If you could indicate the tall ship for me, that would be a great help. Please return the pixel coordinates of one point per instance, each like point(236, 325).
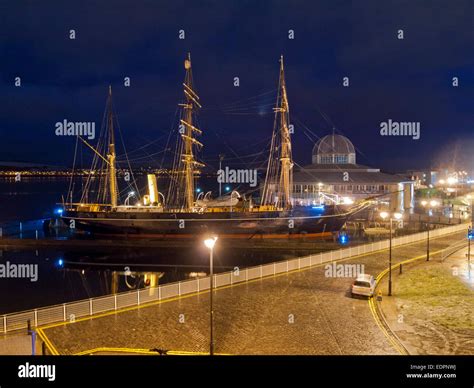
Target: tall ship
point(177, 211)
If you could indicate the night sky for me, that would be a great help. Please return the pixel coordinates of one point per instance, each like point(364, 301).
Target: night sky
point(406, 79)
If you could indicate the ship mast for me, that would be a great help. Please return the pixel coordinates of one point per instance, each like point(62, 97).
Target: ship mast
point(286, 162)
point(111, 152)
point(187, 130)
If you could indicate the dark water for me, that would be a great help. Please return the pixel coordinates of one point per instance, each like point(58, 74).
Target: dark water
point(77, 273)
point(31, 198)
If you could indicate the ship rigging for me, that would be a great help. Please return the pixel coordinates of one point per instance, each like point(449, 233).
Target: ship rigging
point(180, 212)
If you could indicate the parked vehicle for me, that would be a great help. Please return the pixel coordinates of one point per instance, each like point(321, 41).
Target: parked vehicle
point(363, 285)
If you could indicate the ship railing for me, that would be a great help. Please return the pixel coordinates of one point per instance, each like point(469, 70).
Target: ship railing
point(83, 309)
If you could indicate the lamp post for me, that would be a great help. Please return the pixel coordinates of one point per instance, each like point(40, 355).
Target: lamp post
point(397, 216)
point(433, 204)
point(130, 195)
point(428, 227)
point(469, 197)
point(210, 242)
point(469, 252)
point(424, 203)
point(470, 236)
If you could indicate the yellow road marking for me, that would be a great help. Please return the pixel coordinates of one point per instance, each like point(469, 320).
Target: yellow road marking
point(48, 343)
point(146, 351)
point(394, 344)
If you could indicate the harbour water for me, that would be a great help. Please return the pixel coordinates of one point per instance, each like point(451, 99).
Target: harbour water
point(78, 272)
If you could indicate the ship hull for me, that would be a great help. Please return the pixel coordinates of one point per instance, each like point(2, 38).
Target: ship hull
point(299, 222)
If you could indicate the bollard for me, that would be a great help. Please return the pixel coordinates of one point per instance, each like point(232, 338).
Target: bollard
point(379, 296)
point(36, 235)
point(33, 343)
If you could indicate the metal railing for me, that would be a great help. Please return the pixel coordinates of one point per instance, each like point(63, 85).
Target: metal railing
point(434, 219)
point(89, 307)
point(453, 249)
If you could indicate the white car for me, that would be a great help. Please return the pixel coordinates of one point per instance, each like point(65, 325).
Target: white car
point(364, 285)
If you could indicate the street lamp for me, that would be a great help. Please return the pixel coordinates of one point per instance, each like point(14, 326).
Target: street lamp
point(130, 195)
point(347, 201)
point(397, 216)
point(209, 243)
point(433, 204)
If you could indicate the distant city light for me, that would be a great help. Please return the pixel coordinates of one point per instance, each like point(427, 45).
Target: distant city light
point(197, 274)
point(60, 262)
point(452, 180)
point(227, 188)
point(433, 203)
point(198, 190)
point(59, 211)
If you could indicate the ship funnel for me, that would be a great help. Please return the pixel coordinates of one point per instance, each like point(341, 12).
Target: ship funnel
point(153, 190)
